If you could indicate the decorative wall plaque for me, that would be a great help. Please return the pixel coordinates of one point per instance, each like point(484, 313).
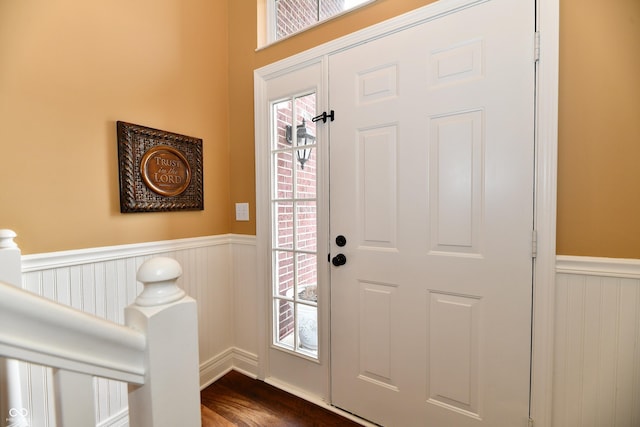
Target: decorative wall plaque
point(159, 170)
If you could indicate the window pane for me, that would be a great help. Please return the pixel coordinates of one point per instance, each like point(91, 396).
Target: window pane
point(282, 118)
point(306, 177)
point(305, 111)
point(284, 273)
point(283, 236)
point(305, 107)
point(306, 224)
point(329, 8)
point(295, 15)
point(284, 174)
point(307, 274)
point(307, 327)
point(285, 322)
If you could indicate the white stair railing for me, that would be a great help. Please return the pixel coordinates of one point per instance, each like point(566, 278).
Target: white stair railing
point(156, 353)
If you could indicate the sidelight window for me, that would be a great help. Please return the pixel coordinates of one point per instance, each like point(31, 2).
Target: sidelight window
point(294, 225)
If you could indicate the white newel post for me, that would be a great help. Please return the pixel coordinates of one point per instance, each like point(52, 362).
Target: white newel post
point(11, 403)
point(168, 317)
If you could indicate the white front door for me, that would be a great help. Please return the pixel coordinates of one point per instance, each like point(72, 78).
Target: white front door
point(431, 185)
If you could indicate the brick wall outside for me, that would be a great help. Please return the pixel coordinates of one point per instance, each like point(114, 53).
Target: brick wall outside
point(295, 15)
point(329, 8)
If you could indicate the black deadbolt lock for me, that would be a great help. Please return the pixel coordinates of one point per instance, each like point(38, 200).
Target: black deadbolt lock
point(341, 240)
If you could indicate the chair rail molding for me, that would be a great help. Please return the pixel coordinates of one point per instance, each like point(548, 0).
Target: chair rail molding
point(596, 266)
point(42, 261)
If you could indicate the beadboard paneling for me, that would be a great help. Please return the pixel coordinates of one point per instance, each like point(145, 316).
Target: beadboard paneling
point(597, 343)
point(245, 296)
point(102, 282)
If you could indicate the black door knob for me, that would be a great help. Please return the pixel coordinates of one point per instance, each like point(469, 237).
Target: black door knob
point(341, 240)
point(339, 260)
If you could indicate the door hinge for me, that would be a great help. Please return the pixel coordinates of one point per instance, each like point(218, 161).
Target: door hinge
point(534, 243)
point(530, 423)
point(536, 47)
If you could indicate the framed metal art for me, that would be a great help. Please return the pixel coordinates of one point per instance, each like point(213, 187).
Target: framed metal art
point(159, 170)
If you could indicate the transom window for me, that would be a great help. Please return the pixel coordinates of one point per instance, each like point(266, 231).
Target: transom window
point(291, 16)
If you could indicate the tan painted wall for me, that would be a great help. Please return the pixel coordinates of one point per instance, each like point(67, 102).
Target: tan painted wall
point(68, 70)
point(244, 59)
point(599, 146)
point(599, 129)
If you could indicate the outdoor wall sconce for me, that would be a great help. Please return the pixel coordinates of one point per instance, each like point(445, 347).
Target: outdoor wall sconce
point(304, 139)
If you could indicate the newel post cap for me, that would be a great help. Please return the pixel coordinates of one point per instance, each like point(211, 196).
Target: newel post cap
point(160, 278)
point(6, 239)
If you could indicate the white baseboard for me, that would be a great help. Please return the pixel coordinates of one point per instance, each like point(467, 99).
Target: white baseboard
point(215, 367)
point(232, 358)
point(245, 362)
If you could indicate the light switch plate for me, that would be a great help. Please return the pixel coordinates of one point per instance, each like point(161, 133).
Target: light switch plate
point(242, 211)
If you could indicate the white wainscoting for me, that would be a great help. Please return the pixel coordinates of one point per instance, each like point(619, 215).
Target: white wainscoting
point(597, 322)
point(597, 343)
point(218, 271)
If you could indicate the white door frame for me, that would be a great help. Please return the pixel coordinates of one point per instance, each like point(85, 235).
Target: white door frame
point(546, 129)
point(544, 283)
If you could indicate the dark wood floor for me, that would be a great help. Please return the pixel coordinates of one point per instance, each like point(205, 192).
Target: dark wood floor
point(237, 400)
